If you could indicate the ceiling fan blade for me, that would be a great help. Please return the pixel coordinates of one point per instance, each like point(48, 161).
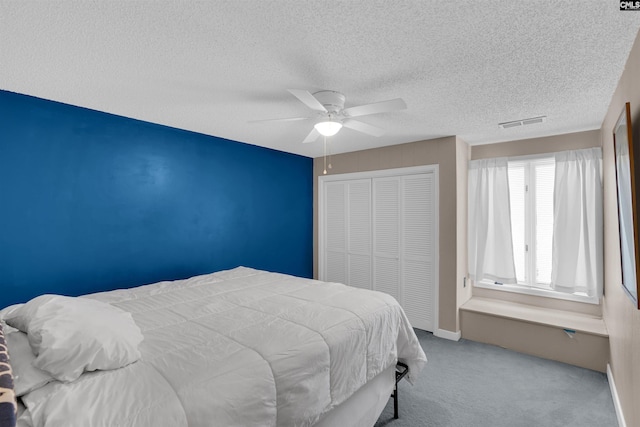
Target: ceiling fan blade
point(288, 119)
point(313, 135)
point(376, 107)
point(363, 127)
point(308, 99)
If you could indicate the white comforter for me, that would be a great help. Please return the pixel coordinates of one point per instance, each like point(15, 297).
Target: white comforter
point(241, 347)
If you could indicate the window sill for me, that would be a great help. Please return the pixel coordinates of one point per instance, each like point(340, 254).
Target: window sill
point(538, 292)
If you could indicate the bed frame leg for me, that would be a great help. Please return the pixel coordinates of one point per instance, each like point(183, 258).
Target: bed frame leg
point(395, 403)
point(401, 371)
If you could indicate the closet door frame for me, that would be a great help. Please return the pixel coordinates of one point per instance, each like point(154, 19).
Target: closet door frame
point(381, 174)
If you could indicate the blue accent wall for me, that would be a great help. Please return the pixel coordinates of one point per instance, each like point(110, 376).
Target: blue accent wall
point(91, 201)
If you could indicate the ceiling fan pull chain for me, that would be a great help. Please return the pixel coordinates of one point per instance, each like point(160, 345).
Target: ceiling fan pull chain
point(325, 155)
point(329, 153)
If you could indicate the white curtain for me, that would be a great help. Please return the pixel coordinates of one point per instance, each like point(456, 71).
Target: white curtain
point(577, 229)
point(489, 233)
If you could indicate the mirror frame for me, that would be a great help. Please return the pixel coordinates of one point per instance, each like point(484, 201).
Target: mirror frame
point(622, 127)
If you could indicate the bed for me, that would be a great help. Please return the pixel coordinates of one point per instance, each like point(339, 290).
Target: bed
point(240, 347)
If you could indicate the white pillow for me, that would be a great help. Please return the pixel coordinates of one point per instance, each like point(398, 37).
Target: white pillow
point(26, 377)
point(8, 310)
point(19, 317)
point(72, 335)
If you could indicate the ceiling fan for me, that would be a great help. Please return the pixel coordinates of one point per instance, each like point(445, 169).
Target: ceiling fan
point(331, 115)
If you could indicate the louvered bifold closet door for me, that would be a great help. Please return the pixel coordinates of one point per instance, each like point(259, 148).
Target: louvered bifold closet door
point(335, 237)
point(417, 249)
point(381, 233)
point(386, 236)
point(359, 233)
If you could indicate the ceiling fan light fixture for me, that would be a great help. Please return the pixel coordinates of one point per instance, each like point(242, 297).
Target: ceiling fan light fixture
point(328, 128)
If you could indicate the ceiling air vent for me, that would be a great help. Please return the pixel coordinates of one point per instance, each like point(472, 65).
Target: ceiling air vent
point(516, 123)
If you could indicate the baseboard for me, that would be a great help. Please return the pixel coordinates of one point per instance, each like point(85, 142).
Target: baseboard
point(616, 399)
point(442, 333)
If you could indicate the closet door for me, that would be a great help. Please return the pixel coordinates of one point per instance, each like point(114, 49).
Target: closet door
point(386, 236)
point(335, 235)
point(418, 249)
point(347, 252)
point(359, 233)
point(404, 244)
point(380, 233)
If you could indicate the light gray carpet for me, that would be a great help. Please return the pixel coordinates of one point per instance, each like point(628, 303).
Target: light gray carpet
point(472, 384)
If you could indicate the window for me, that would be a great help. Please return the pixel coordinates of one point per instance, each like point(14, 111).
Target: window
point(531, 198)
point(555, 229)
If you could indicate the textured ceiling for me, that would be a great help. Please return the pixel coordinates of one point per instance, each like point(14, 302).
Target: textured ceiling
point(461, 66)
